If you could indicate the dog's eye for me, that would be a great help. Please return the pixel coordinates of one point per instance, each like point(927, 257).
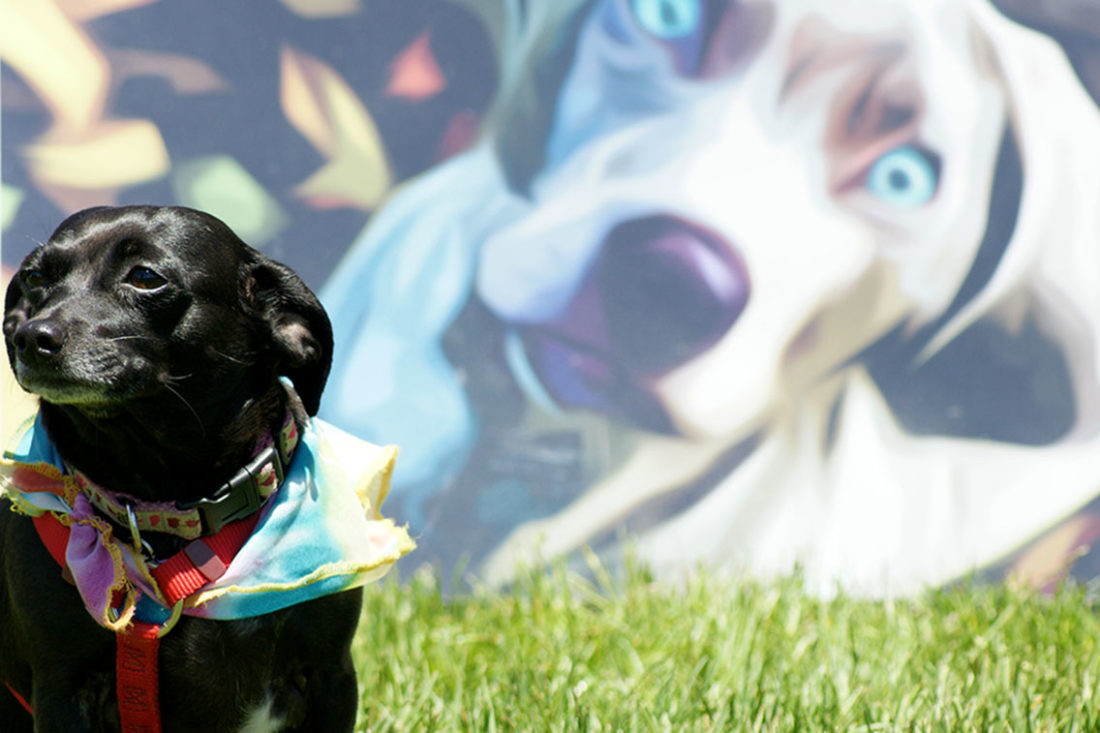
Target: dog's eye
point(669, 19)
point(678, 24)
point(143, 278)
point(906, 177)
point(35, 279)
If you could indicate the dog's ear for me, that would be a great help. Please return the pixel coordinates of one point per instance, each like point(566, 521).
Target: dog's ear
point(12, 295)
point(11, 299)
point(301, 333)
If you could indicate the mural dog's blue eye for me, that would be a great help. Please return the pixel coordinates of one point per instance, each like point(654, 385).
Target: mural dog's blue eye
point(668, 20)
point(680, 26)
point(905, 177)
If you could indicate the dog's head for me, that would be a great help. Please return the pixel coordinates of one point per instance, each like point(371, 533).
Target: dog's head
point(153, 310)
point(732, 200)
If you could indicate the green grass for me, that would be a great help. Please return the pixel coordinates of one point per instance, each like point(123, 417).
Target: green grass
point(561, 653)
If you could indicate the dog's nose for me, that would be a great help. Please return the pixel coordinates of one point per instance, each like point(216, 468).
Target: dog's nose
point(42, 337)
point(670, 290)
point(660, 293)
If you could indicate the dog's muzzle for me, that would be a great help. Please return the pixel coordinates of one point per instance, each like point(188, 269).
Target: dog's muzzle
point(661, 292)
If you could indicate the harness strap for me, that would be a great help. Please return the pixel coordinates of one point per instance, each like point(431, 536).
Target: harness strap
point(227, 520)
point(20, 699)
point(54, 535)
point(137, 676)
point(137, 648)
point(202, 560)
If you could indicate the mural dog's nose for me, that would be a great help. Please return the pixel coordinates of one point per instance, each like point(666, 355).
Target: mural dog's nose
point(669, 290)
point(660, 293)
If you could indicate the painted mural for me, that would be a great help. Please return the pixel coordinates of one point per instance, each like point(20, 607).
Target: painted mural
point(757, 285)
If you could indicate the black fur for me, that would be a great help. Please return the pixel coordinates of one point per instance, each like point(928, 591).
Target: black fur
point(156, 339)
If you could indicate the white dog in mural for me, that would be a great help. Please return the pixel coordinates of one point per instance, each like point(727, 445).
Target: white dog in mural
point(730, 231)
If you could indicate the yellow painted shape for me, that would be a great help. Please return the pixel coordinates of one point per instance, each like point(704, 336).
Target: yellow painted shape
point(57, 59)
point(321, 105)
point(323, 8)
point(117, 153)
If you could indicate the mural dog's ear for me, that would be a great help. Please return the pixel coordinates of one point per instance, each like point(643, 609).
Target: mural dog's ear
point(300, 328)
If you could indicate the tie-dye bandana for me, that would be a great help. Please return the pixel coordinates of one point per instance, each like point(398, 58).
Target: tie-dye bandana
point(320, 533)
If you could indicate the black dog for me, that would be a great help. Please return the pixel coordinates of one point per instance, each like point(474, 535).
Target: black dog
point(156, 340)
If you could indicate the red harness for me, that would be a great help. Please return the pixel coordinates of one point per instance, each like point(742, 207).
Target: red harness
point(230, 519)
point(137, 647)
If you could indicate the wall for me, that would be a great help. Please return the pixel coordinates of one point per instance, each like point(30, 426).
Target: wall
point(756, 285)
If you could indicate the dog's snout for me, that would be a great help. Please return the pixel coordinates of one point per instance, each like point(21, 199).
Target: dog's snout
point(41, 337)
point(670, 290)
point(661, 292)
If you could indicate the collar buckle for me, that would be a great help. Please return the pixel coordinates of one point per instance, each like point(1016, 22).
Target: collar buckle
point(237, 498)
point(141, 547)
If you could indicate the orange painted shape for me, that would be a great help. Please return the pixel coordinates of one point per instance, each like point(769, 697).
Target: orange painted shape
point(415, 74)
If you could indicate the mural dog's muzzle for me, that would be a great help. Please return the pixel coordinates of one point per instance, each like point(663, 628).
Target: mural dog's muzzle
point(661, 292)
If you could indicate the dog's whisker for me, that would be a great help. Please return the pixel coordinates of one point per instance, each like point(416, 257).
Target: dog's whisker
point(233, 359)
point(183, 399)
point(127, 338)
